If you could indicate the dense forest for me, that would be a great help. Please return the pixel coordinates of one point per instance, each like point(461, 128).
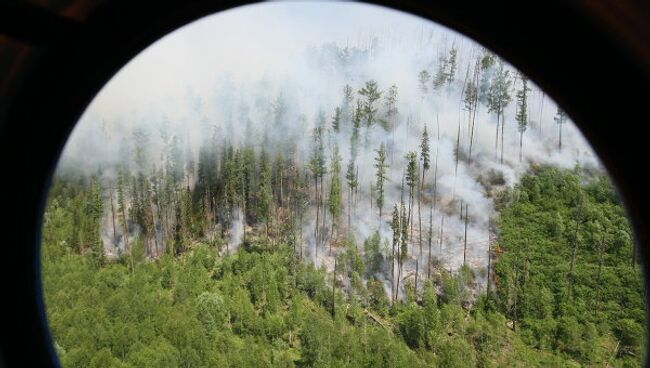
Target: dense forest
point(351, 213)
point(566, 293)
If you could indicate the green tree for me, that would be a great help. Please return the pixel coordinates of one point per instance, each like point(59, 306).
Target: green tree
point(560, 118)
point(381, 176)
point(498, 97)
point(334, 200)
point(426, 164)
point(451, 73)
point(522, 112)
point(318, 170)
point(352, 182)
point(390, 105)
point(336, 119)
point(265, 192)
point(412, 181)
point(371, 94)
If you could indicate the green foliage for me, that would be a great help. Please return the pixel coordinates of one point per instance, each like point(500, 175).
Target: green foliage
point(567, 290)
point(334, 201)
point(565, 276)
point(371, 93)
point(498, 96)
point(374, 258)
point(522, 105)
point(381, 166)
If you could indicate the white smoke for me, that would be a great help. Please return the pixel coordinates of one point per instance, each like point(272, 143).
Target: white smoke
point(217, 80)
point(236, 230)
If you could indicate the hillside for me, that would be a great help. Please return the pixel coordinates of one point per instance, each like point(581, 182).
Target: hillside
point(261, 306)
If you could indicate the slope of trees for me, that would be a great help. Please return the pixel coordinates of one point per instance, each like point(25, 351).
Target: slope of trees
point(568, 292)
point(567, 276)
point(248, 234)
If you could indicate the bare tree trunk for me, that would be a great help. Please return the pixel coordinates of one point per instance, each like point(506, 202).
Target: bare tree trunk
point(392, 275)
point(331, 240)
point(496, 142)
point(421, 189)
point(321, 232)
point(281, 191)
point(420, 217)
point(442, 232)
point(489, 267)
point(399, 275)
point(521, 143)
point(430, 240)
point(465, 242)
point(356, 190)
point(415, 291)
point(541, 112)
point(113, 221)
point(473, 113)
point(460, 217)
point(155, 233)
point(457, 149)
point(349, 209)
point(560, 141)
point(471, 134)
point(410, 216)
point(503, 123)
point(125, 225)
point(400, 265)
point(317, 214)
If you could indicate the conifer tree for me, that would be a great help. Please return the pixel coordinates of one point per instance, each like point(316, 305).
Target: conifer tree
point(487, 61)
point(371, 93)
point(279, 176)
point(412, 180)
point(403, 243)
point(347, 108)
point(397, 233)
point(498, 97)
point(336, 119)
point(381, 176)
point(423, 82)
point(451, 73)
point(265, 191)
point(353, 183)
point(334, 199)
point(390, 105)
point(122, 179)
point(522, 112)
point(441, 73)
point(175, 162)
point(426, 164)
point(94, 214)
point(471, 105)
point(317, 167)
point(356, 126)
point(560, 118)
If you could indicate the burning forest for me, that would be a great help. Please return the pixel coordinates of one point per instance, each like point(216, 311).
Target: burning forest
point(382, 172)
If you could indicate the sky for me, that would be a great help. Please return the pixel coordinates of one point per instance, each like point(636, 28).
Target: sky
point(247, 42)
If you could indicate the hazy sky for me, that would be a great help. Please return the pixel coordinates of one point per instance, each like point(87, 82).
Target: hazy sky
point(249, 42)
